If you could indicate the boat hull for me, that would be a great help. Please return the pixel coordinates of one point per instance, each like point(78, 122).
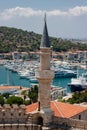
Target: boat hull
point(77, 87)
point(57, 75)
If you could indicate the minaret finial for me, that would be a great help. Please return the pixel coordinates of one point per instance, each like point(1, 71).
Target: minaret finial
point(45, 17)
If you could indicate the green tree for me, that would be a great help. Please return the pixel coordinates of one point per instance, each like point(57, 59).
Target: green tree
point(6, 95)
point(14, 100)
point(78, 97)
point(27, 102)
point(33, 93)
point(2, 100)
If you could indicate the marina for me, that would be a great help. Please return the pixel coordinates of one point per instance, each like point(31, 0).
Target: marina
point(14, 73)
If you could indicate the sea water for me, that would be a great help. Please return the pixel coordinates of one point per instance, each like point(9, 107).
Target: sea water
point(8, 77)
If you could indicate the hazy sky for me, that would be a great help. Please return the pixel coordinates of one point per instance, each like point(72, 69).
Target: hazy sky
point(65, 18)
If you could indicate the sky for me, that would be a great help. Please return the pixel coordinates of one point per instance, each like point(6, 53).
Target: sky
point(65, 18)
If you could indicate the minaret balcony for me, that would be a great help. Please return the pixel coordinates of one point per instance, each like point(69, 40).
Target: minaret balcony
point(44, 74)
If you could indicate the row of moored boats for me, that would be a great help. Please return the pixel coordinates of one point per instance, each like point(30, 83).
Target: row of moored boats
point(27, 70)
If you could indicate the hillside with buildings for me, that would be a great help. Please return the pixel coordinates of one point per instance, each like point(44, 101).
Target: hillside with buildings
point(12, 39)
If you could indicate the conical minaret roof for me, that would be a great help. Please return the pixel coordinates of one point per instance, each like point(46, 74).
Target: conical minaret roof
point(45, 38)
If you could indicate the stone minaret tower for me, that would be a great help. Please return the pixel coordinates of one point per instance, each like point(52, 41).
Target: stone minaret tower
point(45, 75)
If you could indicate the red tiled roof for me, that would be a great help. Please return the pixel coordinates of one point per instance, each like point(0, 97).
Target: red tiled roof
point(32, 107)
point(8, 87)
point(13, 87)
point(60, 109)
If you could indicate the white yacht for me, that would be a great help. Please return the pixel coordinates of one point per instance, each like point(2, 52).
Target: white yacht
point(79, 83)
point(33, 79)
point(64, 73)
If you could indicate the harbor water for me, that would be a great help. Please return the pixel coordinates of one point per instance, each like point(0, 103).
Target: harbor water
point(8, 77)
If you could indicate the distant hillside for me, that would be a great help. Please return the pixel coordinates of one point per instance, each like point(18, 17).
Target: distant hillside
point(12, 39)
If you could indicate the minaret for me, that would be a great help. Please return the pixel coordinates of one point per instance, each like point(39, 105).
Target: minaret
point(45, 75)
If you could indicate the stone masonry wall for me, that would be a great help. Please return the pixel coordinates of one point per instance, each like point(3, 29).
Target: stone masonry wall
point(12, 114)
point(15, 118)
point(69, 124)
point(19, 127)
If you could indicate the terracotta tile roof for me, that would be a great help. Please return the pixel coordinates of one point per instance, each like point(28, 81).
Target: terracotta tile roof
point(9, 87)
point(31, 108)
point(60, 109)
point(66, 110)
point(13, 87)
